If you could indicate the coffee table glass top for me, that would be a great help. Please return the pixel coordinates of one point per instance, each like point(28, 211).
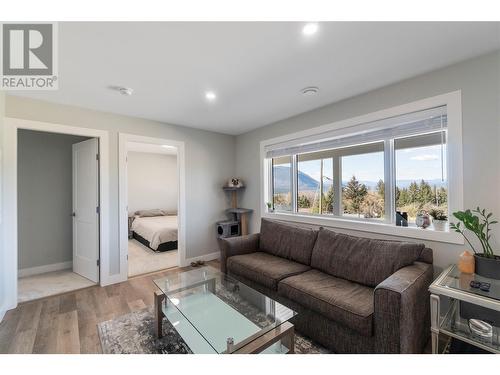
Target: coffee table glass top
point(461, 281)
point(214, 313)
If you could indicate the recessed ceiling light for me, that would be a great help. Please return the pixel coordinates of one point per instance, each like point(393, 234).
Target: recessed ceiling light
point(210, 95)
point(310, 28)
point(310, 91)
point(167, 146)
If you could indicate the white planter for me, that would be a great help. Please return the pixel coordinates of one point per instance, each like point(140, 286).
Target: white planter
point(439, 225)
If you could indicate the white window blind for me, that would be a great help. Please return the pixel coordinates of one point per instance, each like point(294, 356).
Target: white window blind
point(420, 122)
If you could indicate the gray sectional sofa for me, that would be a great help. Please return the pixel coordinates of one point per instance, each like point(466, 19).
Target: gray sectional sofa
point(353, 294)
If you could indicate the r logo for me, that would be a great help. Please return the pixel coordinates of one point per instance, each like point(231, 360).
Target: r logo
point(27, 49)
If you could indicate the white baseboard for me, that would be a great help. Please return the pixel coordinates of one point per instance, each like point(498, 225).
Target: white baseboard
point(205, 257)
point(46, 268)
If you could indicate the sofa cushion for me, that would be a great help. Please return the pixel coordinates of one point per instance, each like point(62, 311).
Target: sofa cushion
point(263, 268)
point(342, 301)
point(363, 260)
point(287, 241)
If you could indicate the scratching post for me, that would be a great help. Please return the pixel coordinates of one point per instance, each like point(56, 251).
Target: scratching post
point(239, 214)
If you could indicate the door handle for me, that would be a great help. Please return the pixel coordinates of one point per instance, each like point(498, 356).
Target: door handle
point(73, 214)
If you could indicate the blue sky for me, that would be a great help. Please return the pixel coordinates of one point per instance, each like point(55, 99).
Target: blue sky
point(411, 164)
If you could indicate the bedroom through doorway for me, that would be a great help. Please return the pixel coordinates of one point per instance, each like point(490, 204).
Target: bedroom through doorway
point(152, 207)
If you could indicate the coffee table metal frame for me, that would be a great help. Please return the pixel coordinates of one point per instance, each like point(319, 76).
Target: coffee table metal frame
point(284, 332)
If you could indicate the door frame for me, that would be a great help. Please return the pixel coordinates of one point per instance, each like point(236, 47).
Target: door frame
point(9, 198)
point(123, 139)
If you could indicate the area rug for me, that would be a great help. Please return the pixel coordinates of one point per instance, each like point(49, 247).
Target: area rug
point(133, 333)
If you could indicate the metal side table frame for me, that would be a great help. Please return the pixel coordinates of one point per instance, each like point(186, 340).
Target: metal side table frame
point(440, 288)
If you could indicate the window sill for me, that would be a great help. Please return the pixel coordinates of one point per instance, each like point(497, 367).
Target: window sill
point(370, 227)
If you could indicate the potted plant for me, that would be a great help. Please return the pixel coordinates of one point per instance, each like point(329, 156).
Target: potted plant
point(439, 219)
point(269, 207)
point(479, 223)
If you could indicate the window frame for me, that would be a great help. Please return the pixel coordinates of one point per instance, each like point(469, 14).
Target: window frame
point(454, 165)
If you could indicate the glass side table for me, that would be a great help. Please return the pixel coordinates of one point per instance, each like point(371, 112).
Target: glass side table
point(456, 286)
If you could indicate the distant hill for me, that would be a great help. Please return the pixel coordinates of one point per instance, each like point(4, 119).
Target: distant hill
point(307, 183)
point(282, 180)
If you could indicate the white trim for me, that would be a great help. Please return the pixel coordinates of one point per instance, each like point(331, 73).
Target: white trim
point(23, 272)
point(206, 257)
point(123, 139)
point(369, 227)
point(10, 248)
point(453, 103)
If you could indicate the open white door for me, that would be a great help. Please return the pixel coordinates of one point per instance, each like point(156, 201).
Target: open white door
point(86, 209)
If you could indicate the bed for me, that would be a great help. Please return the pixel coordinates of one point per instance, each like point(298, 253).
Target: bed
point(159, 233)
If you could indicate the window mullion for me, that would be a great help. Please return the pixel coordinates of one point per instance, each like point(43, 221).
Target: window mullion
point(269, 168)
point(389, 182)
point(321, 188)
point(337, 185)
point(295, 177)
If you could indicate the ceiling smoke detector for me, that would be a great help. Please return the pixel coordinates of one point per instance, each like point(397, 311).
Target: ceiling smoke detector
point(310, 91)
point(126, 91)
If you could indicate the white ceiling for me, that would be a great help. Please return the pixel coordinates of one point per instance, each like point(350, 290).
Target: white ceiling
point(256, 69)
point(151, 148)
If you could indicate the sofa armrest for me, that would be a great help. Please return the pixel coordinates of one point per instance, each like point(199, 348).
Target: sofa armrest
point(401, 310)
point(237, 246)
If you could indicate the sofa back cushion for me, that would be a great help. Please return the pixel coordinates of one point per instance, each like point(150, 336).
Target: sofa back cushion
point(287, 241)
point(362, 260)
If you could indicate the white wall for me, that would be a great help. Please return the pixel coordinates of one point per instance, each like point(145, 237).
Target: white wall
point(479, 80)
point(152, 181)
point(209, 162)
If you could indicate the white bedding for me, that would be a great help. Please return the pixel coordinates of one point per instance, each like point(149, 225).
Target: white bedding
point(156, 230)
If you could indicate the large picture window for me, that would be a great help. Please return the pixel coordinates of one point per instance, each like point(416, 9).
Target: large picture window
point(282, 183)
point(421, 182)
point(379, 172)
point(363, 182)
point(315, 184)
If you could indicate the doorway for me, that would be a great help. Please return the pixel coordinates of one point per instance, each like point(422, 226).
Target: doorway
point(10, 248)
point(58, 213)
point(152, 199)
point(152, 205)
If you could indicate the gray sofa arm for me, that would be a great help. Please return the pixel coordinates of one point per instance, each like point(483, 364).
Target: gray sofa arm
point(402, 316)
point(237, 246)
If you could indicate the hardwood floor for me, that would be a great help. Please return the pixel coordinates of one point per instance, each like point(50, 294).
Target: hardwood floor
point(67, 323)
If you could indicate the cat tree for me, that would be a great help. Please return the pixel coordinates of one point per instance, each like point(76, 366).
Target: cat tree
point(239, 214)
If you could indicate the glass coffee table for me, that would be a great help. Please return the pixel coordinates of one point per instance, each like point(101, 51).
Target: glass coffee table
point(454, 301)
point(214, 313)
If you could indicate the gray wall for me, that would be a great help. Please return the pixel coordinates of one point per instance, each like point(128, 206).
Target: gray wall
point(44, 179)
point(152, 181)
point(209, 162)
point(479, 80)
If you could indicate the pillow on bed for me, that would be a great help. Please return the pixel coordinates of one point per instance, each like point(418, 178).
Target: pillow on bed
point(169, 213)
point(150, 213)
